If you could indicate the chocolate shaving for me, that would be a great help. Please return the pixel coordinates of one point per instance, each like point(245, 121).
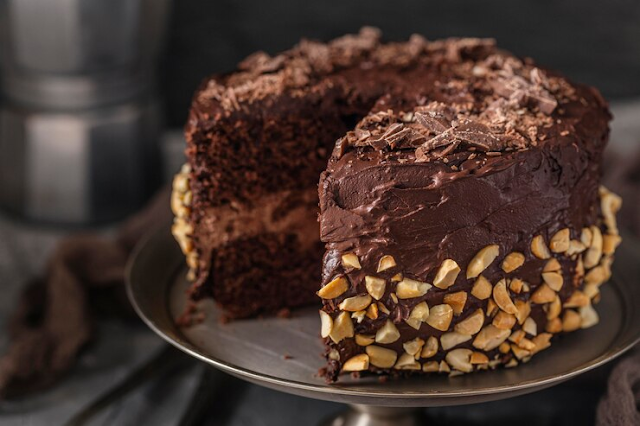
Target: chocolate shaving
point(546, 103)
point(478, 135)
point(393, 135)
point(431, 121)
point(318, 55)
point(539, 78)
point(515, 87)
point(399, 134)
point(263, 63)
point(439, 129)
point(469, 48)
point(413, 140)
point(470, 132)
point(442, 139)
point(350, 47)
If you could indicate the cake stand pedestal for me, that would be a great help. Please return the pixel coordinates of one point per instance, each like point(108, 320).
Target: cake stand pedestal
point(284, 353)
point(371, 415)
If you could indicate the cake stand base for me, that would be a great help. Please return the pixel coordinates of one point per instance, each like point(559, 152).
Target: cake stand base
point(284, 353)
point(368, 415)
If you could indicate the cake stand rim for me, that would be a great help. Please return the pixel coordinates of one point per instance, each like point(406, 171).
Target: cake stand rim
point(334, 392)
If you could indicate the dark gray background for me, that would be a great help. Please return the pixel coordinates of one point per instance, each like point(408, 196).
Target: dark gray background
point(593, 41)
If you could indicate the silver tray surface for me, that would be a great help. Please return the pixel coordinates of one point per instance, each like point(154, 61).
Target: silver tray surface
point(284, 353)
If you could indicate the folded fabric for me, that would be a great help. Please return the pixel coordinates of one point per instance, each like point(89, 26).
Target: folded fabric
point(54, 318)
point(621, 404)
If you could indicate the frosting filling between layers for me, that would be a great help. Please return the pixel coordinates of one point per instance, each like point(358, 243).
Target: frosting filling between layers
point(287, 212)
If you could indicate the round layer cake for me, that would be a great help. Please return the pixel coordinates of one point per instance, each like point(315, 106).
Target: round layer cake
point(461, 211)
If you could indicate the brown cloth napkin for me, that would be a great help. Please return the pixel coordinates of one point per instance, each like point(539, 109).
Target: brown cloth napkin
point(621, 405)
point(54, 318)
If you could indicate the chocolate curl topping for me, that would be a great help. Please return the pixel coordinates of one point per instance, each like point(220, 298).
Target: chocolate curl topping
point(525, 92)
point(437, 129)
point(432, 121)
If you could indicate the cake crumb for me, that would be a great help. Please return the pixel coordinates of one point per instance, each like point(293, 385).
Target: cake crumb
point(190, 316)
point(284, 313)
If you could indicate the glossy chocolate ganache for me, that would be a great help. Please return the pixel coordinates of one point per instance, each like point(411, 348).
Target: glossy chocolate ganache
point(463, 235)
point(460, 208)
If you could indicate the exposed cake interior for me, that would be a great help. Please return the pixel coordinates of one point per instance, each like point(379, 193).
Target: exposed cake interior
point(263, 135)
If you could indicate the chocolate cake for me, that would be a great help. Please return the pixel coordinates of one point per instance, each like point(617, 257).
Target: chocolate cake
point(461, 211)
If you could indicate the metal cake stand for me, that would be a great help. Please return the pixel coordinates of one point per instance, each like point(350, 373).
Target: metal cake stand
point(284, 354)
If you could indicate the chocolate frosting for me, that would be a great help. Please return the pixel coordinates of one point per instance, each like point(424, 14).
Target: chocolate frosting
point(417, 199)
point(508, 152)
point(515, 171)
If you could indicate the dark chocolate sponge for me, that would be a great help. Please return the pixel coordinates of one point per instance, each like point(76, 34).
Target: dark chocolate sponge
point(258, 140)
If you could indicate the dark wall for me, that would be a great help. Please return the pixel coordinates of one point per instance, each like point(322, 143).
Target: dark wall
point(593, 41)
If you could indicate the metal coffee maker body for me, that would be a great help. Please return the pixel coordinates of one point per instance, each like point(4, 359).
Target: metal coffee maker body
point(79, 116)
